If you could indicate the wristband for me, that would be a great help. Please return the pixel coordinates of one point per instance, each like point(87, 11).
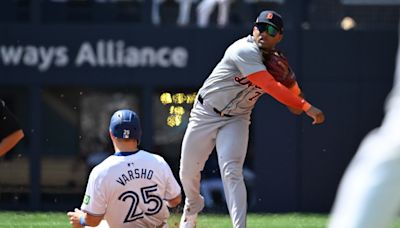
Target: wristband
point(82, 221)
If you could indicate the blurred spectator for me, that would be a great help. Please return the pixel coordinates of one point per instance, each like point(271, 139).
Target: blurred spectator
point(155, 12)
point(184, 12)
point(10, 130)
point(101, 1)
point(205, 9)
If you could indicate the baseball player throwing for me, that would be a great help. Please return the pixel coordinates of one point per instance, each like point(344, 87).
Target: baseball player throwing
point(131, 188)
point(221, 117)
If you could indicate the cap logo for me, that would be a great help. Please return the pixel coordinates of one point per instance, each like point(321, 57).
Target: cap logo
point(269, 16)
point(126, 134)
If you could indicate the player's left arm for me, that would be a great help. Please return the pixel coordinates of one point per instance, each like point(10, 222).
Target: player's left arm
point(79, 219)
point(10, 130)
point(10, 141)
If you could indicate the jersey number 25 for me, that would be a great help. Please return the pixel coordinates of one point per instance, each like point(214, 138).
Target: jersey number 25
point(147, 198)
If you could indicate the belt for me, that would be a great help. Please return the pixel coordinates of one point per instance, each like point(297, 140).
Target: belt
point(201, 100)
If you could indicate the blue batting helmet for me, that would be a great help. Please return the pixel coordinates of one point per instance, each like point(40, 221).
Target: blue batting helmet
point(125, 124)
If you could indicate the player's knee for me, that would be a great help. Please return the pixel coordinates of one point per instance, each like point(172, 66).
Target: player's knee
point(233, 172)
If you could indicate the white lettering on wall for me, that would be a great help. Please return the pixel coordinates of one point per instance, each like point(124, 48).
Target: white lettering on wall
point(40, 57)
point(86, 55)
point(117, 54)
point(103, 53)
point(11, 55)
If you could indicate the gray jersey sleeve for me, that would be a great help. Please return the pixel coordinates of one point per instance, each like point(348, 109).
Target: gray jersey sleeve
point(246, 56)
point(227, 88)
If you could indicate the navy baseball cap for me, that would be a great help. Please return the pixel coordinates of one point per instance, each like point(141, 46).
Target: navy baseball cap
point(272, 18)
point(125, 124)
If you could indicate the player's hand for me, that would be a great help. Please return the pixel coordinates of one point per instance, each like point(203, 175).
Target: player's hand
point(317, 115)
point(74, 217)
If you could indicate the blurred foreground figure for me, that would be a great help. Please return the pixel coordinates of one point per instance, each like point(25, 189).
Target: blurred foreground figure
point(369, 193)
point(132, 187)
point(10, 130)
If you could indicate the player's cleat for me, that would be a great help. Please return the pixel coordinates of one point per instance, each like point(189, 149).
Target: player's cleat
point(188, 221)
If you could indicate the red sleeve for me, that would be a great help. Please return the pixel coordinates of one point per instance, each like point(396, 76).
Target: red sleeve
point(295, 89)
point(8, 122)
point(265, 81)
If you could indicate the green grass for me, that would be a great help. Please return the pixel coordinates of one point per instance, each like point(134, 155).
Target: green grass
point(36, 220)
point(260, 220)
point(59, 219)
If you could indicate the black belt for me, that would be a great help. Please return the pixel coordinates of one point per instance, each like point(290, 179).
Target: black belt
point(201, 100)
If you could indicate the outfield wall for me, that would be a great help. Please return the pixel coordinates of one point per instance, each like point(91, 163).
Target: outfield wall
point(297, 165)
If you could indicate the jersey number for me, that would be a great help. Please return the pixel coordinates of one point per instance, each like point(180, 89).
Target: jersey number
point(147, 197)
point(255, 96)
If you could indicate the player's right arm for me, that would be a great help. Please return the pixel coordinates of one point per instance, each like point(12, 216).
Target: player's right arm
point(92, 220)
point(94, 204)
point(265, 80)
point(173, 195)
point(174, 202)
point(246, 57)
point(79, 219)
point(295, 89)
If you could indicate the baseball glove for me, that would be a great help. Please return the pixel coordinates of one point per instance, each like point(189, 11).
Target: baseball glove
point(278, 66)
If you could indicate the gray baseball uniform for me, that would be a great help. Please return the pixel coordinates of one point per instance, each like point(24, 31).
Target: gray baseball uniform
point(220, 118)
